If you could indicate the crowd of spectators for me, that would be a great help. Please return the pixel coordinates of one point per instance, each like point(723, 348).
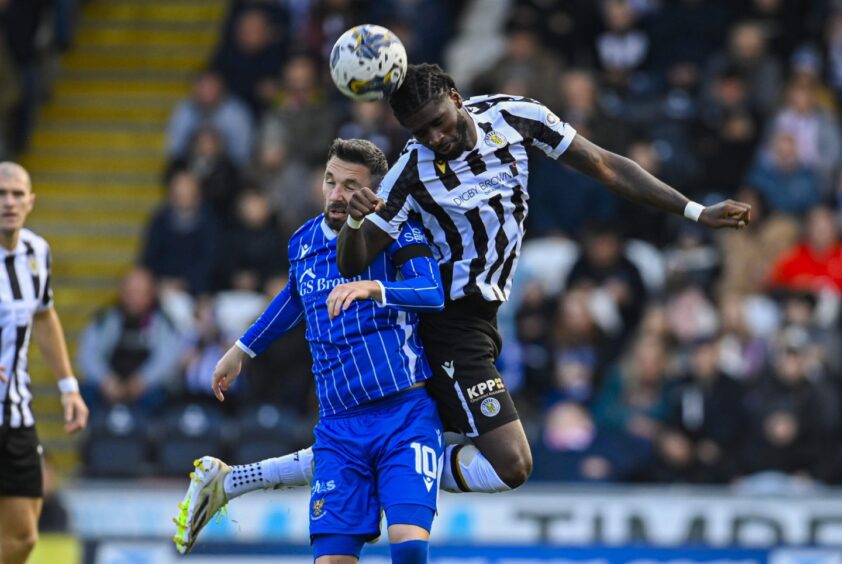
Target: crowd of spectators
point(640, 347)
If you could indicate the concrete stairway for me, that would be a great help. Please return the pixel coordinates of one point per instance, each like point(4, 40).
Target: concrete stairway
point(97, 154)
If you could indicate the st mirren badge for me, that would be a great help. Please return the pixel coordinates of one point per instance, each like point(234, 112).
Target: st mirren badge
point(495, 139)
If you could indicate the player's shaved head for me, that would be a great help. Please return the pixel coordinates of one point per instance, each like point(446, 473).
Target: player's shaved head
point(10, 170)
point(423, 84)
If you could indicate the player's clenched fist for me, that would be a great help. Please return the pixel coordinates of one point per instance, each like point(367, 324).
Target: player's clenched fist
point(364, 202)
point(729, 213)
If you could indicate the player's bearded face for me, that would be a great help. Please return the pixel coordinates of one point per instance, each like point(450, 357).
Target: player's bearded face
point(341, 180)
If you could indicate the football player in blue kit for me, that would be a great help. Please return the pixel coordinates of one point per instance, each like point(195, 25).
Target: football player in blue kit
point(379, 440)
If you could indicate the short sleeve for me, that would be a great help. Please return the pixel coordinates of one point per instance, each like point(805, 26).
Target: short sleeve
point(410, 243)
point(396, 189)
point(539, 126)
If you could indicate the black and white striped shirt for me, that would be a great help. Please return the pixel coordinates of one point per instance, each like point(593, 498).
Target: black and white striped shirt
point(24, 291)
point(473, 207)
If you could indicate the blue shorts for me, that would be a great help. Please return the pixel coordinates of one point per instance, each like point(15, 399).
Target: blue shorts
point(380, 454)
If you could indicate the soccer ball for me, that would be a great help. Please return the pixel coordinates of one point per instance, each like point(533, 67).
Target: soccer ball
point(368, 62)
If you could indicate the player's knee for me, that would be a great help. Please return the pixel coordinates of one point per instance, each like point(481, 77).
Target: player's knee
point(516, 468)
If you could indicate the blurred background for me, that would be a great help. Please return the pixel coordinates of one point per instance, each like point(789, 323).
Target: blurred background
point(681, 388)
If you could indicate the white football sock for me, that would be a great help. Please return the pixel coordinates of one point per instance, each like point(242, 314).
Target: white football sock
point(292, 470)
point(475, 471)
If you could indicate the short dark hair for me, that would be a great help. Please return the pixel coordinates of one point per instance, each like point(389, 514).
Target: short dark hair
point(360, 151)
point(423, 83)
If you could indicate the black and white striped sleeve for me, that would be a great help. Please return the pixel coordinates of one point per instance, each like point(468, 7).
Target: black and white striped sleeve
point(396, 189)
point(539, 126)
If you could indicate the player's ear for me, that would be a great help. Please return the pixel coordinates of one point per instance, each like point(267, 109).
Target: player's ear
point(456, 97)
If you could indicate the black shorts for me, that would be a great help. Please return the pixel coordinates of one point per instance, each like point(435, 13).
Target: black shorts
point(20, 466)
point(462, 344)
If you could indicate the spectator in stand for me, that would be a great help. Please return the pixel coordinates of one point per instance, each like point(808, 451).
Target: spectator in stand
point(580, 108)
point(217, 174)
point(786, 185)
point(816, 131)
point(253, 250)
point(793, 419)
point(747, 55)
point(630, 405)
point(622, 48)
point(129, 352)
point(250, 64)
point(211, 105)
point(375, 122)
point(204, 346)
point(283, 373)
point(301, 111)
point(572, 448)
point(704, 422)
point(578, 350)
point(611, 279)
point(181, 238)
point(816, 263)
point(742, 353)
point(526, 62)
point(748, 256)
point(727, 133)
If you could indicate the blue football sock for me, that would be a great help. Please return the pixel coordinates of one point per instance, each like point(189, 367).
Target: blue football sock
point(410, 552)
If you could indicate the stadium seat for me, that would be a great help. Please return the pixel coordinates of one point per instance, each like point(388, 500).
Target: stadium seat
point(268, 431)
point(188, 432)
point(117, 445)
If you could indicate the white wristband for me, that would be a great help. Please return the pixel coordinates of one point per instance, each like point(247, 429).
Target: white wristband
point(693, 210)
point(354, 223)
point(68, 385)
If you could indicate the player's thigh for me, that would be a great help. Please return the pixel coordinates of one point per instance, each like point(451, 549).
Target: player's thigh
point(19, 518)
point(471, 395)
point(343, 494)
point(409, 462)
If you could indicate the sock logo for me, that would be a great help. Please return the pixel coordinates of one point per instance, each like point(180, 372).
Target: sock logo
point(448, 368)
point(426, 464)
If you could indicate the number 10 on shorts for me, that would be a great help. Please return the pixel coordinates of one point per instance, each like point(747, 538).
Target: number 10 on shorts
point(426, 463)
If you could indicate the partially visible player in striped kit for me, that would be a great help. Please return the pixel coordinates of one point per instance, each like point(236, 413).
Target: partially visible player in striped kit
point(379, 440)
point(464, 176)
point(26, 312)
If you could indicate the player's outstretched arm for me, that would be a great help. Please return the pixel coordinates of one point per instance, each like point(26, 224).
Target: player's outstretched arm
point(360, 241)
point(628, 179)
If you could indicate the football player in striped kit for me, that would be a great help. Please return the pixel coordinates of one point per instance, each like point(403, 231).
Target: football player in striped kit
point(26, 313)
point(464, 176)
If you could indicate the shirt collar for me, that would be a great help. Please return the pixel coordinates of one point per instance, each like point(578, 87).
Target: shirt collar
point(329, 234)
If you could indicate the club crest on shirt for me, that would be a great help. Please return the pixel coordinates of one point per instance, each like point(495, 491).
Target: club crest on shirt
point(33, 264)
point(490, 407)
point(495, 139)
point(318, 509)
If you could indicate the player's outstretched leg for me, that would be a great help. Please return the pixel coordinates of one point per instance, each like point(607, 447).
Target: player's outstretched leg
point(213, 484)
